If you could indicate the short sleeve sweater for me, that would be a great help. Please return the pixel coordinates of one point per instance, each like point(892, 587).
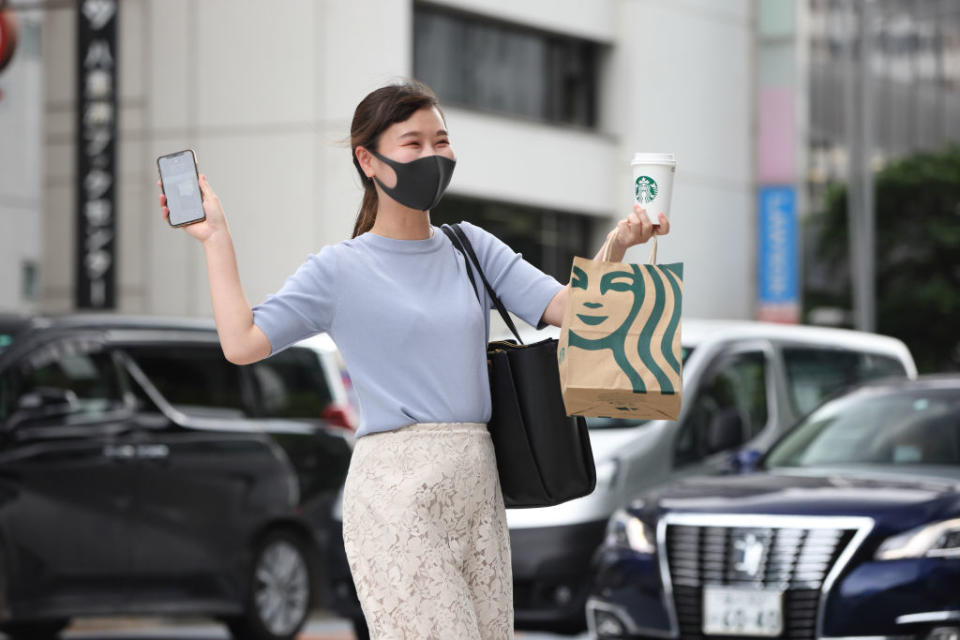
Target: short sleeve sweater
point(407, 321)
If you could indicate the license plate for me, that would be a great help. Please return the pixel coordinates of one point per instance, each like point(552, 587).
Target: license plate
point(729, 611)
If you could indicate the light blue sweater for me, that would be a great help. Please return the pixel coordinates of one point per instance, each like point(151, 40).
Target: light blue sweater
point(406, 320)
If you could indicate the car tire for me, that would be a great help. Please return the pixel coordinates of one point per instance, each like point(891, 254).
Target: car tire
point(360, 628)
point(279, 591)
point(35, 630)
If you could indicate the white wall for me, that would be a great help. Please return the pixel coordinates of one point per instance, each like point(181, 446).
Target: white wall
point(681, 81)
point(265, 97)
point(539, 165)
point(21, 169)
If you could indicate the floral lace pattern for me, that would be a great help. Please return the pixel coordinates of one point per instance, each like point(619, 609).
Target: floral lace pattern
point(425, 533)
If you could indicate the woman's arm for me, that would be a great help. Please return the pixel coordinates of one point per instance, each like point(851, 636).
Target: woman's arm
point(242, 341)
point(634, 229)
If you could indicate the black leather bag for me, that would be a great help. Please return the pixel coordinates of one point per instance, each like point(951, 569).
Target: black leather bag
point(543, 456)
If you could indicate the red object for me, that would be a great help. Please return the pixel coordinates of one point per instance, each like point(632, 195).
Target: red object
point(9, 30)
point(338, 416)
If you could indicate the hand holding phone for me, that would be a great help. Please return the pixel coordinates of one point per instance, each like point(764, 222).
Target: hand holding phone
point(187, 200)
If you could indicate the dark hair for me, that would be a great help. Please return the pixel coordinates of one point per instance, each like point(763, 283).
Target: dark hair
point(375, 113)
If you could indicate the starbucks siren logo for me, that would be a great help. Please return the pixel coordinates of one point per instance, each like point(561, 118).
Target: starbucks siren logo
point(646, 189)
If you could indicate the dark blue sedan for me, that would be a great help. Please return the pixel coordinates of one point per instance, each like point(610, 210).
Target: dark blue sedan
point(848, 528)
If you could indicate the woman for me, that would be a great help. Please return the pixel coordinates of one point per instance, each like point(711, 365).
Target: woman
point(424, 525)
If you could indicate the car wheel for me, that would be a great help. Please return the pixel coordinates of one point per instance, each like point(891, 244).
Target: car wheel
point(280, 591)
point(35, 630)
point(360, 628)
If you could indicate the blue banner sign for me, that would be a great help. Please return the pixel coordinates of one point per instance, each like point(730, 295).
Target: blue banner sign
point(777, 264)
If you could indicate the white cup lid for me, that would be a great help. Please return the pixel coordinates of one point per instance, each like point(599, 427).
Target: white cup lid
point(654, 158)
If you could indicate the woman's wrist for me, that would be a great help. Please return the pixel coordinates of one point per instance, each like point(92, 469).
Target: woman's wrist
point(217, 238)
point(617, 247)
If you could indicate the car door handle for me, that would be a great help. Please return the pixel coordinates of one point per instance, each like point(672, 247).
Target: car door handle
point(153, 451)
point(119, 451)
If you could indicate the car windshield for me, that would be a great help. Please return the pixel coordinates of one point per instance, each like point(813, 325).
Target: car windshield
point(627, 423)
point(876, 427)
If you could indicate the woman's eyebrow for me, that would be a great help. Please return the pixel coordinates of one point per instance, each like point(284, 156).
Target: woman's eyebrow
point(417, 134)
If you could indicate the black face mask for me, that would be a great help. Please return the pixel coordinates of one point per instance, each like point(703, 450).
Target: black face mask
point(421, 182)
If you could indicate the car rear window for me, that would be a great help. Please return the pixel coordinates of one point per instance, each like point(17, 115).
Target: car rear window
point(876, 427)
point(192, 377)
point(814, 374)
point(291, 384)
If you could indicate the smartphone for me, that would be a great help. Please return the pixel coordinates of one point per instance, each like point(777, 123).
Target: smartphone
point(180, 182)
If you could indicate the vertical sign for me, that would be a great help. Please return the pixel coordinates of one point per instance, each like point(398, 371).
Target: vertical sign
point(778, 281)
point(96, 154)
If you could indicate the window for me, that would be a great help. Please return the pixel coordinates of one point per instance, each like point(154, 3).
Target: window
point(28, 280)
point(732, 396)
point(291, 384)
point(88, 375)
point(489, 65)
point(813, 374)
point(547, 239)
point(195, 378)
point(877, 427)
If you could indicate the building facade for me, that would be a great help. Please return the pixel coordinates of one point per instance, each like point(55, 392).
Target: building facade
point(546, 102)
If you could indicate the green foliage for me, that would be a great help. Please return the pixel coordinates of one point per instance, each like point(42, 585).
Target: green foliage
point(917, 255)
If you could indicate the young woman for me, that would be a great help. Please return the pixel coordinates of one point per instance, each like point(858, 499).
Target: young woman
point(423, 518)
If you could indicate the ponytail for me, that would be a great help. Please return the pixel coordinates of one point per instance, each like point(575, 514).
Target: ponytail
point(368, 209)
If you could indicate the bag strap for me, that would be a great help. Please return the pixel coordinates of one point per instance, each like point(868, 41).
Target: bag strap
point(462, 243)
point(463, 254)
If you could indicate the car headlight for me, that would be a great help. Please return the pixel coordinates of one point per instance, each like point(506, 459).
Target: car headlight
point(628, 531)
point(940, 539)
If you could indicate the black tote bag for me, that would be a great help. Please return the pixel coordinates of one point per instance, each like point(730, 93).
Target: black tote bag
point(543, 456)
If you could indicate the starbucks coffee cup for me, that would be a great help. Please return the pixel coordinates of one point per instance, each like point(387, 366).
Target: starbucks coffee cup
point(653, 182)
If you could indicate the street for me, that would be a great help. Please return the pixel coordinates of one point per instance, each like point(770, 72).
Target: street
point(320, 627)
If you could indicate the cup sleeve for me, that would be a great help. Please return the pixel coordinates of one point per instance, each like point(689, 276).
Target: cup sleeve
point(304, 305)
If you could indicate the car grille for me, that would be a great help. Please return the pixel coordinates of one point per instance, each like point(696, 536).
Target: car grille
point(794, 560)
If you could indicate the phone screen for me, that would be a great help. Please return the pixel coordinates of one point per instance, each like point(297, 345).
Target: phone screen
point(181, 186)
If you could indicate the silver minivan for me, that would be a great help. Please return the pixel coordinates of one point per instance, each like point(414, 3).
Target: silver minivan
point(744, 383)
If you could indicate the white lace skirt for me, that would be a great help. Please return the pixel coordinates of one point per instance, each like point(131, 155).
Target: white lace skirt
point(426, 535)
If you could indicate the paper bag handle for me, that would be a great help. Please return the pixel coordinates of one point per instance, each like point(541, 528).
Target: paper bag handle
point(605, 250)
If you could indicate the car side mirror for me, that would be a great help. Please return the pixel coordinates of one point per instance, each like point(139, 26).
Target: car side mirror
point(725, 431)
point(43, 402)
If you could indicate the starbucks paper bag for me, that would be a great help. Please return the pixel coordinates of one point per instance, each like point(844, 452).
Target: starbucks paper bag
point(619, 350)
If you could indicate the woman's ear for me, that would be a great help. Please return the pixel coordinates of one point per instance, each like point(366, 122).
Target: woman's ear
point(365, 158)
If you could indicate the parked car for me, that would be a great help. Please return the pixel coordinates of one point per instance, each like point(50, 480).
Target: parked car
point(744, 384)
point(142, 473)
point(850, 528)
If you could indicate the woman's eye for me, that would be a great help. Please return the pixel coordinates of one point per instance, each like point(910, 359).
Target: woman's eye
point(618, 286)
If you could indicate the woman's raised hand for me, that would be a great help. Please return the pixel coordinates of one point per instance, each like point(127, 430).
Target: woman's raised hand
point(637, 228)
point(216, 221)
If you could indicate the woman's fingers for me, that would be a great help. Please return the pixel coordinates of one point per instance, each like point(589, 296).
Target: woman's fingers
point(664, 227)
point(638, 228)
point(205, 188)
